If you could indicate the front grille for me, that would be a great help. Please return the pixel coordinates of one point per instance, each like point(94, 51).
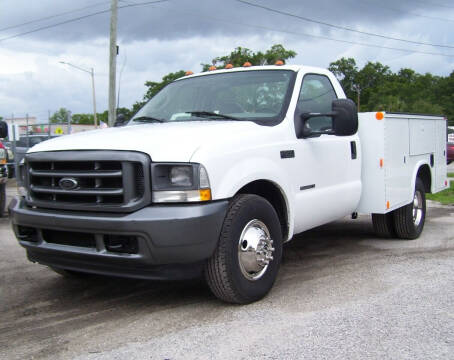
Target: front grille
point(88, 180)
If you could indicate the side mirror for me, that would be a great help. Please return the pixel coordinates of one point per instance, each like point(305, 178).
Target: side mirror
point(3, 129)
point(121, 120)
point(345, 120)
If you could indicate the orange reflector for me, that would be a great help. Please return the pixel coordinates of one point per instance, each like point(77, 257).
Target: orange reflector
point(379, 116)
point(229, 66)
point(189, 72)
point(205, 195)
point(381, 162)
point(212, 67)
point(387, 204)
point(247, 64)
point(279, 63)
point(3, 161)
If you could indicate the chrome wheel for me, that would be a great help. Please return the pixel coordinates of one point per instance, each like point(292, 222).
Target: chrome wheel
point(417, 208)
point(255, 250)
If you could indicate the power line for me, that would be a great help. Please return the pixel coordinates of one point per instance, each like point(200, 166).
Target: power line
point(230, 22)
point(51, 16)
point(337, 26)
point(432, 3)
point(404, 12)
point(80, 18)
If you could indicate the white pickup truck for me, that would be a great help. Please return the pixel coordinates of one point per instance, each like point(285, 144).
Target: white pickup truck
point(217, 171)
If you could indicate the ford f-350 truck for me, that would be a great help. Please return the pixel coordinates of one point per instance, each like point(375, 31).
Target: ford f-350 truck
point(217, 171)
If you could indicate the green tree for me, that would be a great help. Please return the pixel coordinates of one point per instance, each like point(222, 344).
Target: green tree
point(346, 72)
point(241, 55)
point(60, 116)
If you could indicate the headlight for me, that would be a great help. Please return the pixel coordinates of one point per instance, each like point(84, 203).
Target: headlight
point(180, 183)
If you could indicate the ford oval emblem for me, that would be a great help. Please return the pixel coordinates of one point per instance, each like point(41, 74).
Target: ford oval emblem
point(68, 183)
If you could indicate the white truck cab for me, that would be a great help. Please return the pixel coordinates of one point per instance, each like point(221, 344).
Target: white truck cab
point(217, 171)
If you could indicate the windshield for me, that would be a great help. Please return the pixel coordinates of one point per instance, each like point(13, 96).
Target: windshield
point(261, 96)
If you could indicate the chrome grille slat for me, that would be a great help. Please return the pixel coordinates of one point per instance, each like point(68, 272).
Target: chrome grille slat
point(103, 180)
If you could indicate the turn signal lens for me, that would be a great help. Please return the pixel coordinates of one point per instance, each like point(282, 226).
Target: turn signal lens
point(205, 195)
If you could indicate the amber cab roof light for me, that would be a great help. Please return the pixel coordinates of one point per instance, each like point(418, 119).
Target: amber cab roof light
point(229, 66)
point(279, 63)
point(189, 72)
point(247, 64)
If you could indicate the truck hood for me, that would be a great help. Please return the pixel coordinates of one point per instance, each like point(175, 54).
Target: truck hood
point(163, 142)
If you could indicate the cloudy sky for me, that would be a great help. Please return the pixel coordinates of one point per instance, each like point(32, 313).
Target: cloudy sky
point(156, 39)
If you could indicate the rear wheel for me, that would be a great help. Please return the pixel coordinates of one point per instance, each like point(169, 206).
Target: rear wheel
point(409, 220)
point(246, 262)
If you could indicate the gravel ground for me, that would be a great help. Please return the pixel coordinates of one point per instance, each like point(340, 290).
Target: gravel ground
point(341, 294)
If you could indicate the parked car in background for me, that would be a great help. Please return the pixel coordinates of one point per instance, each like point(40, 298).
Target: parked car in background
point(26, 142)
point(450, 153)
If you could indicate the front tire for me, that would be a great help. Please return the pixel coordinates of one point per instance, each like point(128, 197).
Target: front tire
point(409, 220)
point(246, 262)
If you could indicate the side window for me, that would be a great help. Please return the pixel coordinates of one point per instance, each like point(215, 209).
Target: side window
point(316, 96)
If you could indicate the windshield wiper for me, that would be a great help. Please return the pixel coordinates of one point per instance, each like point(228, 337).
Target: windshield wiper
point(208, 114)
point(148, 119)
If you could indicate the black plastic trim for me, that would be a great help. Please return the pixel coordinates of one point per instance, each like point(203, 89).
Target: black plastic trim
point(170, 234)
point(126, 157)
point(287, 154)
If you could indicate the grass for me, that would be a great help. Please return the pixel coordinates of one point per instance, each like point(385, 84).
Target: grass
point(446, 197)
point(450, 174)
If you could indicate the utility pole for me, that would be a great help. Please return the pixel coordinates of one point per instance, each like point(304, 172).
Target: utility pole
point(92, 74)
point(94, 97)
point(112, 61)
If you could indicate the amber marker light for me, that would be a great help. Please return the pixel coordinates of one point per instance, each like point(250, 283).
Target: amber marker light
point(379, 116)
point(189, 72)
point(229, 66)
point(247, 64)
point(381, 163)
point(279, 63)
point(205, 194)
point(211, 68)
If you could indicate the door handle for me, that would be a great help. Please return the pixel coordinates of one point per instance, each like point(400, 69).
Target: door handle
point(353, 149)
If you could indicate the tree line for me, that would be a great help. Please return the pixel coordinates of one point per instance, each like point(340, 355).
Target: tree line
point(374, 87)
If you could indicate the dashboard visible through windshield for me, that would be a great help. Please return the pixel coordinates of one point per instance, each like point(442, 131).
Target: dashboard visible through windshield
point(261, 96)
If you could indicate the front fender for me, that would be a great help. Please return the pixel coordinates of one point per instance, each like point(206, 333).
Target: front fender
point(226, 184)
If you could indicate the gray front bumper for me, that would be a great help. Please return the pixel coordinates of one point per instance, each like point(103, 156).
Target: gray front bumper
point(167, 235)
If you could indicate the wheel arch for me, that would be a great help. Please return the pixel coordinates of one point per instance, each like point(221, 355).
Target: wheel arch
point(275, 195)
point(425, 174)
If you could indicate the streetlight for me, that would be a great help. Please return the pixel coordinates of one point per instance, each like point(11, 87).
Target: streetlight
point(92, 73)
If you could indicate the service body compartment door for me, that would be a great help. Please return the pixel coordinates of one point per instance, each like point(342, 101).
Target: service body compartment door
point(398, 173)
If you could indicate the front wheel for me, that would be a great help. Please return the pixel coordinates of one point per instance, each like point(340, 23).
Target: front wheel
point(409, 220)
point(246, 262)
